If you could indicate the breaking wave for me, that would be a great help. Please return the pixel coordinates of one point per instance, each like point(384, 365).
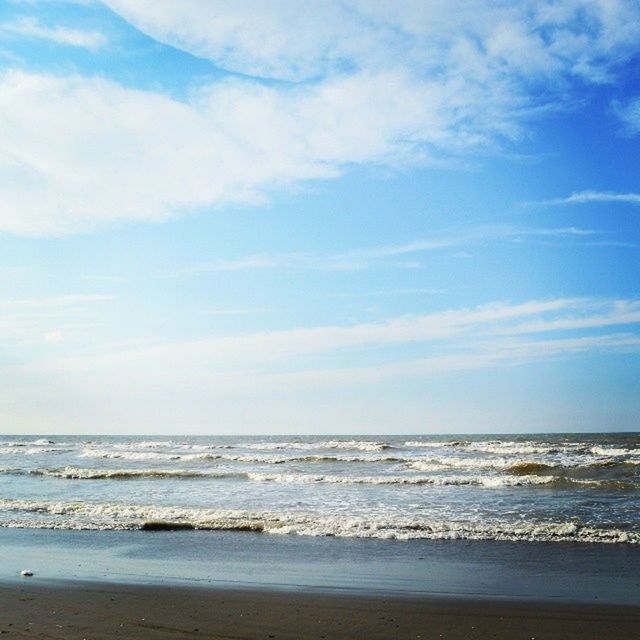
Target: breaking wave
point(417, 444)
point(354, 445)
point(437, 481)
point(488, 481)
point(248, 458)
point(25, 449)
point(76, 473)
point(614, 451)
point(101, 516)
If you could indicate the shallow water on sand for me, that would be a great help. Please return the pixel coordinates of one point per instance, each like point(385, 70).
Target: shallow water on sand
point(512, 570)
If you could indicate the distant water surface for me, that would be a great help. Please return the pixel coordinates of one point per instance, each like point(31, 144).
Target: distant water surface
point(567, 487)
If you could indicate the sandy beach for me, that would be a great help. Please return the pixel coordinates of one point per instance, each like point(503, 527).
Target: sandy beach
point(101, 610)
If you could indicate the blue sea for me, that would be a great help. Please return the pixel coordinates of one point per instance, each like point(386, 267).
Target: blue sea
point(547, 488)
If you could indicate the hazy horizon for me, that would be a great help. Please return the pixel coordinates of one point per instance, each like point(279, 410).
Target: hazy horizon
point(310, 435)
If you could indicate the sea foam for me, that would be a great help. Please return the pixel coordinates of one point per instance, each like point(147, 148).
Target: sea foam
point(102, 516)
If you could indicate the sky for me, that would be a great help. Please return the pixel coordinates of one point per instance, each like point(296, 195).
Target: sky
point(336, 216)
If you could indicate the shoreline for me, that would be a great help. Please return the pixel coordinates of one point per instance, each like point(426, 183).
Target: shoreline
point(59, 609)
point(535, 572)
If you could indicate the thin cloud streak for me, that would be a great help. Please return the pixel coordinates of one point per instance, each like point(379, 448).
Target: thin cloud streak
point(486, 356)
point(358, 259)
point(238, 264)
point(31, 28)
point(586, 197)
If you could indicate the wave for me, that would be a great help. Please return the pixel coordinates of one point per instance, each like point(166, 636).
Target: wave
point(516, 448)
point(442, 481)
point(12, 472)
point(166, 444)
point(494, 447)
point(500, 447)
point(575, 467)
point(353, 445)
point(101, 516)
point(23, 449)
point(525, 467)
point(490, 454)
point(438, 463)
point(614, 451)
point(596, 471)
point(495, 482)
point(257, 458)
point(131, 455)
point(416, 444)
point(40, 442)
point(76, 473)
point(528, 447)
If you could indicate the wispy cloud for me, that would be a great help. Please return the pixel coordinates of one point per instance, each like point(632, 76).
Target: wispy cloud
point(364, 258)
point(280, 42)
point(484, 355)
point(270, 375)
point(50, 320)
point(416, 246)
point(239, 264)
point(407, 291)
point(623, 244)
point(585, 197)
point(30, 28)
point(629, 114)
point(449, 333)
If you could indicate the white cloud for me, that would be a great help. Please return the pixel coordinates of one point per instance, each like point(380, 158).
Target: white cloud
point(31, 28)
point(629, 114)
point(393, 83)
point(101, 153)
point(488, 40)
point(585, 197)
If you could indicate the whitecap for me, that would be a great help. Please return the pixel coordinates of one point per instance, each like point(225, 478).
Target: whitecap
point(102, 516)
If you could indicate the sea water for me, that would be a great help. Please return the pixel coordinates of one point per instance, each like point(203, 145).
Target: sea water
point(556, 488)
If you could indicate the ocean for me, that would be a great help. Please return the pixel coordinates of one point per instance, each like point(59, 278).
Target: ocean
point(557, 488)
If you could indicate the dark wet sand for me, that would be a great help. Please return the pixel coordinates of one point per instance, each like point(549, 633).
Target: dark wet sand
point(30, 609)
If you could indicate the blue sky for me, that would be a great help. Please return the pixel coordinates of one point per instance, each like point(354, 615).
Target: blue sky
point(369, 217)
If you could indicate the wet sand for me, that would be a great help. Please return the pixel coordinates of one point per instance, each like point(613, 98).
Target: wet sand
point(55, 609)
